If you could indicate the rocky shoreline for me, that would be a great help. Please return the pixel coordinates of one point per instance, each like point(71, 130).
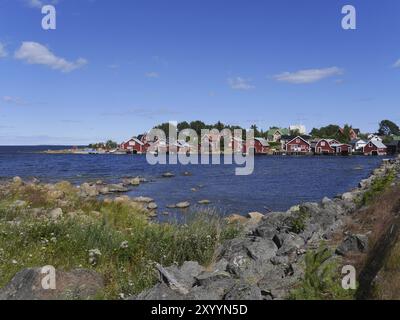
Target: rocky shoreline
point(264, 262)
point(267, 260)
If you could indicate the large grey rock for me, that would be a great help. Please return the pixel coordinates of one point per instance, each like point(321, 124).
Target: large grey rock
point(187, 273)
point(182, 205)
point(353, 243)
point(160, 292)
point(77, 284)
point(88, 190)
point(213, 290)
point(249, 258)
point(244, 291)
point(118, 187)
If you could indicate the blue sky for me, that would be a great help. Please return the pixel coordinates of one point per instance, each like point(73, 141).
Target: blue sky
point(113, 69)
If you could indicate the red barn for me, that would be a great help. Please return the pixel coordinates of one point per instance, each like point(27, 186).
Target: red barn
point(298, 145)
point(341, 148)
point(261, 146)
point(324, 146)
point(134, 145)
point(375, 148)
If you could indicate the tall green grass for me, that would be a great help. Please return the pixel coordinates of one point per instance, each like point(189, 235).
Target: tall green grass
point(130, 244)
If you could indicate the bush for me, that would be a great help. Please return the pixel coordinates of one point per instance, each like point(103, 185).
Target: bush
point(321, 279)
point(377, 187)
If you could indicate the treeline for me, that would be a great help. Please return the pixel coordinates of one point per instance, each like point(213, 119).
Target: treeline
point(109, 145)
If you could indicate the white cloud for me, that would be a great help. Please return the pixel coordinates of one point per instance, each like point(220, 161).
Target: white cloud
point(239, 83)
point(39, 3)
point(308, 76)
point(152, 75)
point(397, 64)
point(35, 53)
point(3, 52)
point(13, 100)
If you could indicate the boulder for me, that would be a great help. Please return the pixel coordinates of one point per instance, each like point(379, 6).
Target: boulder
point(118, 187)
point(255, 216)
point(182, 205)
point(142, 199)
point(236, 218)
point(56, 213)
point(17, 181)
point(248, 258)
point(131, 181)
point(213, 290)
point(152, 206)
point(79, 284)
point(88, 190)
point(204, 202)
point(353, 243)
point(168, 175)
point(244, 291)
point(159, 292)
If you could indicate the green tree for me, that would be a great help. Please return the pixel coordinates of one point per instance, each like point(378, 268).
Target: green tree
point(344, 135)
point(111, 144)
point(198, 126)
point(328, 132)
point(183, 125)
point(257, 133)
point(387, 128)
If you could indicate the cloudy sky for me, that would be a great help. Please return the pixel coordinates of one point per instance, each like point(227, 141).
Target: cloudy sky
point(113, 69)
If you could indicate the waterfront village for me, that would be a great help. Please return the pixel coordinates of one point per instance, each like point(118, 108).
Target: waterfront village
point(294, 140)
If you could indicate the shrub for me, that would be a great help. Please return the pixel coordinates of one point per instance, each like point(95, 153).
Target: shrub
point(321, 280)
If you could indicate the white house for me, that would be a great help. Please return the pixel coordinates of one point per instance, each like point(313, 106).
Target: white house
point(358, 144)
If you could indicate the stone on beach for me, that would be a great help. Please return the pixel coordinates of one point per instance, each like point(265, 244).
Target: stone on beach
point(152, 206)
point(168, 175)
point(204, 202)
point(255, 216)
point(183, 205)
point(236, 218)
point(78, 284)
point(142, 199)
point(131, 181)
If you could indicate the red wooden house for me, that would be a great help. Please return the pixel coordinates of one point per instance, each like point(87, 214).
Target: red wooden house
point(134, 145)
point(323, 146)
point(261, 146)
point(298, 145)
point(375, 148)
point(331, 146)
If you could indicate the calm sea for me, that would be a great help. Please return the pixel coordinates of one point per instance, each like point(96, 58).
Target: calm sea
point(276, 184)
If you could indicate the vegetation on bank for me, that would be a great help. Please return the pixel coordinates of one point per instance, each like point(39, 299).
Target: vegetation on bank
point(116, 239)
point(378, 186)
point(321, 279)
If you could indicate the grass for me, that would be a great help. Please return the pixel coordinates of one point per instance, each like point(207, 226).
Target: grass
point(297, 222)
point(127, 244)
point(387, 283)
point(321, 280)
point(378, 186)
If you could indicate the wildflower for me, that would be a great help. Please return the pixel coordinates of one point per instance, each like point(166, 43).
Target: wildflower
point(14, 261)
point(94, 255)
point(124, 245)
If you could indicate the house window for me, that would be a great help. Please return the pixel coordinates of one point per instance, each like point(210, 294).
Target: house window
point(297, 140)
point(323, 144)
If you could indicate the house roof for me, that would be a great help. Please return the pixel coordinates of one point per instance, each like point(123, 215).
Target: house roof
point(282, 131)
point(299, 137)
point(263, 142)
point(289, 137)
point(377, 143)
